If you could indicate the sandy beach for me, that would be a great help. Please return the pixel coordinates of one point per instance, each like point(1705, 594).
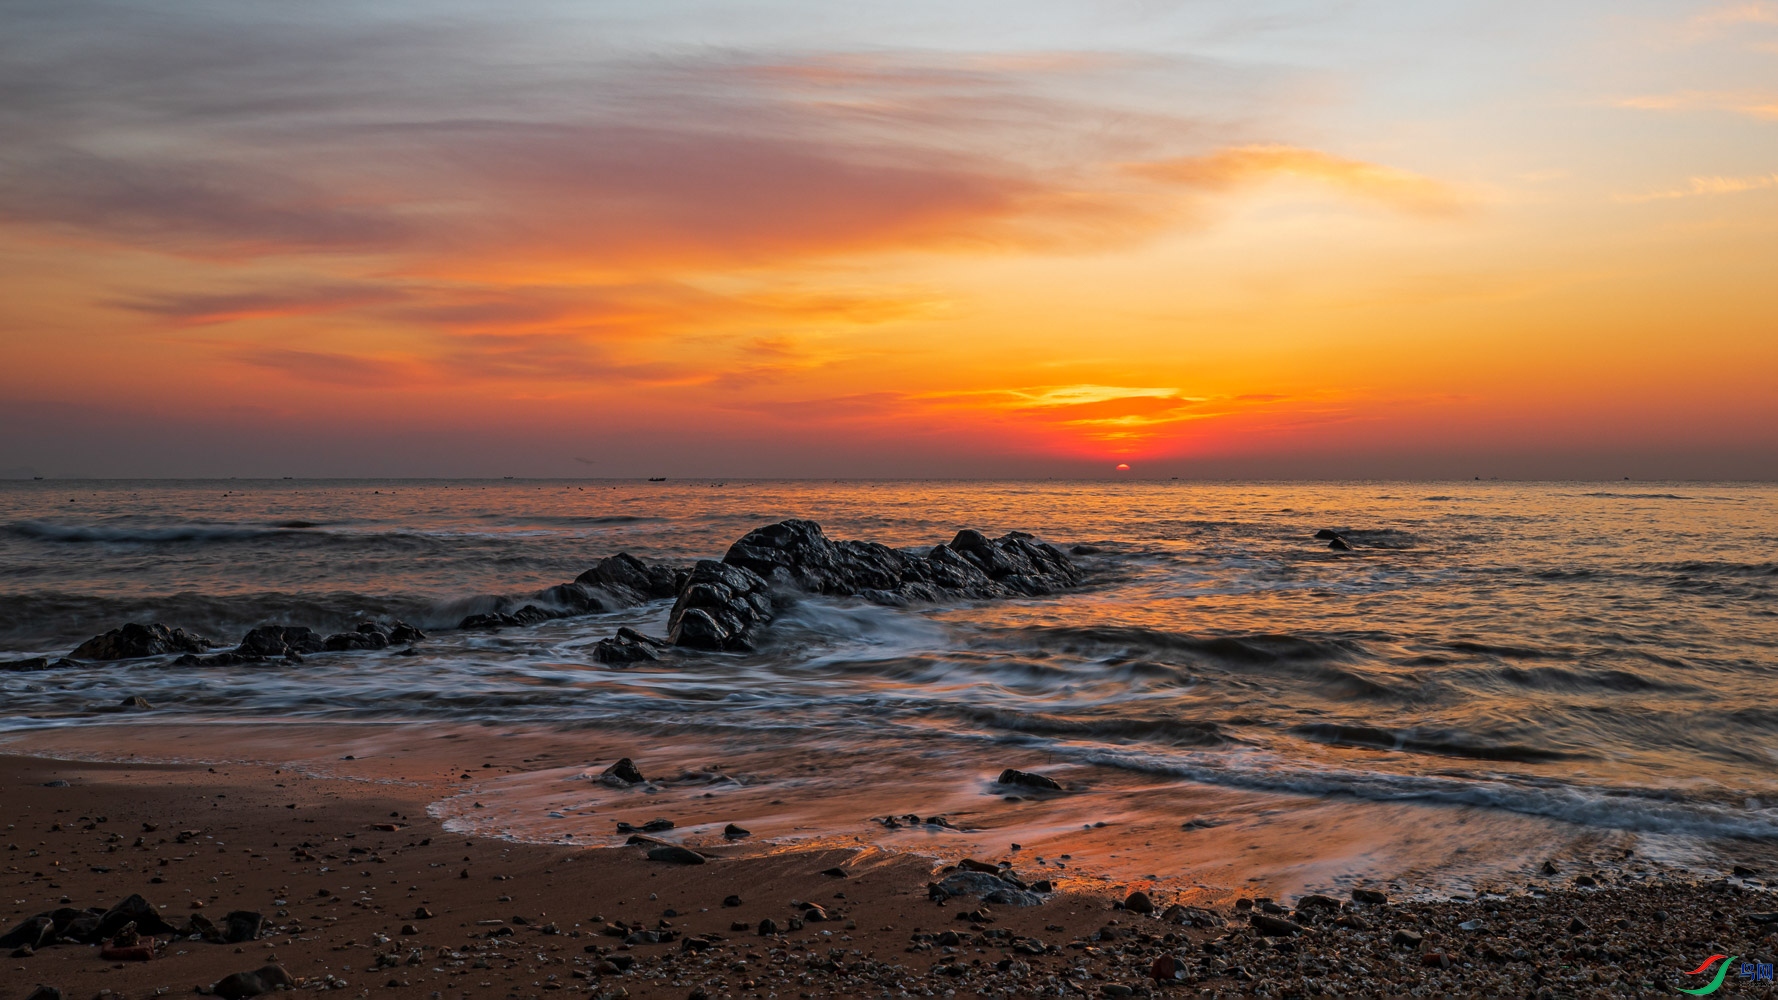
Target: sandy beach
point(361, 890)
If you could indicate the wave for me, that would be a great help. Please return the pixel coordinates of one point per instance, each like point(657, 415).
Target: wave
point(1257, 648)
point(49, 531)
point(1638, 810)
point(1376, 738)
point(1638, 496)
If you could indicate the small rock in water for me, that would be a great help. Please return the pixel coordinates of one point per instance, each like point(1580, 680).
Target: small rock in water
point(136, 702)
point(1027, 779)
point(1326, 535)
point(734, 832)
point(625, 771)
point(1339, 545)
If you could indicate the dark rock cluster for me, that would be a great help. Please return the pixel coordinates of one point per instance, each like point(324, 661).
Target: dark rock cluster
point(798, 555)
point(717, 605)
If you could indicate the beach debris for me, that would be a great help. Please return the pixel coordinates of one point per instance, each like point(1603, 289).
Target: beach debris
point(623, 772)
point(1028, 779)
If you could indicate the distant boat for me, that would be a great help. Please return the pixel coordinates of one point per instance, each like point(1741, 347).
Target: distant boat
point(509, 477)
point(40, 477)
point(657, 479)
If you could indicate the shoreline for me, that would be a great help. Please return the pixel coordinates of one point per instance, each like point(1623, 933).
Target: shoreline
point(234, 837)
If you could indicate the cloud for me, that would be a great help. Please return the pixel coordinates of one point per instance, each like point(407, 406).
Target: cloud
point(1230, 168)
point(1753, 105)
point(1704, 186)
point(206, 308)
point(1735, 14)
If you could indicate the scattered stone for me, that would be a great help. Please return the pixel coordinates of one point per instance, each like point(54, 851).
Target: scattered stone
point(1406, 938)
point(1369, 897)
point(768, 927)
point(1316, 901)
point(734, 832)
point(1138, 902)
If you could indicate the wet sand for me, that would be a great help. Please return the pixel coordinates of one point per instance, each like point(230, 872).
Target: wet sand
point(341, 857)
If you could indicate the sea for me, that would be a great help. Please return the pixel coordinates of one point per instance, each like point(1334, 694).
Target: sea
point(1497, 681)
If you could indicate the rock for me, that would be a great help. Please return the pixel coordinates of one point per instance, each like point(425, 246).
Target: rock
point(1352, 921)
point(1549, 868)
point(1192, 916)
point(31, 664)
point(1326, 535)
point(657, 826)
point(1406, 938)
point(136, 702)
point(241, 926)
point(403, 634)
point(624, 771)
point(768, 927)
point(342, 641)
point(272, 641)
point(631, 579)
point(1585, 881)
point(422, 913)
point(835, 872)
point(674, 854)
point(1027, 779)
point(628, 646)
point(719, 609)
point(734, 832)
point(1138, 902)
point(45, 993)
point(731, 901)
point(989, 888)
point(32, 932)
point(1315, 901)
point(133, 641)
point(1577, 926)
point(1167, 969)
point(1272, 926)
point(1340, 545)
point(133, 909)
point(252, 984)
point(1369, 897)
point(1743, 871)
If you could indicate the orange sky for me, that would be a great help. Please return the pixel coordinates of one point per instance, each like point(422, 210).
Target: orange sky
point(1033, 240)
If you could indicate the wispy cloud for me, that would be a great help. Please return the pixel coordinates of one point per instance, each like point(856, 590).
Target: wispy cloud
point(1755, 105)
point(1389, 186)
point(1706, 186)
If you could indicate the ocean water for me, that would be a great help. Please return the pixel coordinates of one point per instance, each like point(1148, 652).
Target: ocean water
point(1495, 672)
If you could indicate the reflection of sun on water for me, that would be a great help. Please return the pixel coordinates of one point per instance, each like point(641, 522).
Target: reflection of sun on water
point(1123, 466)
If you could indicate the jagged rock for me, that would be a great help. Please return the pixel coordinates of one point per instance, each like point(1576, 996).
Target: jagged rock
point(1027, 779)
point(628, 646)
point(631, 578)
point(402, 634)
point(134, 640)
point(252, 984)
point(626, 771)
point(133, 909)
point(719, 608)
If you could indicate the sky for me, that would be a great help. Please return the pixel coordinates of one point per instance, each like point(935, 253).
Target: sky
point(1251, 239)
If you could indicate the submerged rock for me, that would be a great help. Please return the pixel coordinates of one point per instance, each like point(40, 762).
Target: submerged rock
point(629, 577)
point(133, 641)
point(269, 641)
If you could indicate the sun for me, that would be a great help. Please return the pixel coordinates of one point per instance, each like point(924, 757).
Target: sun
point(1123, 466)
